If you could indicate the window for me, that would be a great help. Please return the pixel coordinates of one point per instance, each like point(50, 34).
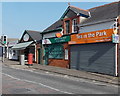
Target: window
point(67, 23)
point(74, 26)
point(55, 51)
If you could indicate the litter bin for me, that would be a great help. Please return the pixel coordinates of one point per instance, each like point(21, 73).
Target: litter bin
point(22, 61)
point(30, 59)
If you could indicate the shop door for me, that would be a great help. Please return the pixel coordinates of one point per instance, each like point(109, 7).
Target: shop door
point(1, 51)
point(46, 56)
point(39, 56)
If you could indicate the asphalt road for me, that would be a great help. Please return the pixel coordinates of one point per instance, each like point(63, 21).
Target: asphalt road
point(18, 81)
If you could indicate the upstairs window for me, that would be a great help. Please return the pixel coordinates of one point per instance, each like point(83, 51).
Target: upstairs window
point(74, 26)
point(67, 24)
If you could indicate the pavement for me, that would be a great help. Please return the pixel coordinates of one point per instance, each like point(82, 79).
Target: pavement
point(67, 72)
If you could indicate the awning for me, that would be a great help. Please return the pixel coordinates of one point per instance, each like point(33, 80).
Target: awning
point(21, 46)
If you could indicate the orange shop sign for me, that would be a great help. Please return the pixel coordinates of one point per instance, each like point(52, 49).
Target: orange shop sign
point(92, 37)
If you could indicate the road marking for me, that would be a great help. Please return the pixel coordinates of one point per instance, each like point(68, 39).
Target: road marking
point(37, 84)
point(65, 76)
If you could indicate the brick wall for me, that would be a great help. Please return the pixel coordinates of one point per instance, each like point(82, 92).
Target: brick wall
point(70, 19)
point(60, 62)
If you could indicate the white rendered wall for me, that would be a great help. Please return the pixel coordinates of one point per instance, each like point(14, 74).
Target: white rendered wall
point(95, 27)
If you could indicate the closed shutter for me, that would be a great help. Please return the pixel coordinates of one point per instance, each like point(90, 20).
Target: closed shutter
point(98, 57)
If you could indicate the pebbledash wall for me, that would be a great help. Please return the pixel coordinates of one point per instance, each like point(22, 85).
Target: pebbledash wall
point(106, 24)
point(93, 49)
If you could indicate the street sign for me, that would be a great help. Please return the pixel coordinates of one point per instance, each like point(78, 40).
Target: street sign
point(115, 38)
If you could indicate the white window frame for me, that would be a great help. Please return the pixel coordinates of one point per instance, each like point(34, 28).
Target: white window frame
point(73, 25)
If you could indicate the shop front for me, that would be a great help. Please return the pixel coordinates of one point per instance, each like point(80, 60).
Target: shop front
point(94, 52)
point(30, 43)
point(56, 51)
point(25, 48)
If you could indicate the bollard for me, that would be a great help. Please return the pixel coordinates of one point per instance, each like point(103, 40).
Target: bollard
point(30, 59)
point(22, 61)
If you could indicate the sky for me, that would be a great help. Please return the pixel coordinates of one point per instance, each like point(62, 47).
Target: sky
point(20, 16)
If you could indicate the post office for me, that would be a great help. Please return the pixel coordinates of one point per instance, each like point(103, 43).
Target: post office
point(56, 37)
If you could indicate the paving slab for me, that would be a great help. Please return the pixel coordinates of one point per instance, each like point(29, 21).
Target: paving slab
point(79, 74)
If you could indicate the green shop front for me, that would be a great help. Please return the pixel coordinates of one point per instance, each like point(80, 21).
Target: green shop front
point(56, 51)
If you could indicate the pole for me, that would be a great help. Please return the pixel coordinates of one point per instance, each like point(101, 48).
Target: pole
point(3, 54)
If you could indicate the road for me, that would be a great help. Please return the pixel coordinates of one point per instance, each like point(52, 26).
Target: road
point(19, 81)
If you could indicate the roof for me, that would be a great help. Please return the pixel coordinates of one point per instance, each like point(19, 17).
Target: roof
point(12, 39)
point(35, 35)
point(58, 24)
point(21, 46)
point(104, 12)
point(54, 26)
point(77, 11)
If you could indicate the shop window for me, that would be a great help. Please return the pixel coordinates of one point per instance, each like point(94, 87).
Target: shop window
point(10, 51)
point(14, 52)
point(67, 24)
point(55, 51)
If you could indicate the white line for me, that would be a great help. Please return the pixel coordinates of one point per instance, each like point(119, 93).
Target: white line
point(84, 80)
point(37, 83)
